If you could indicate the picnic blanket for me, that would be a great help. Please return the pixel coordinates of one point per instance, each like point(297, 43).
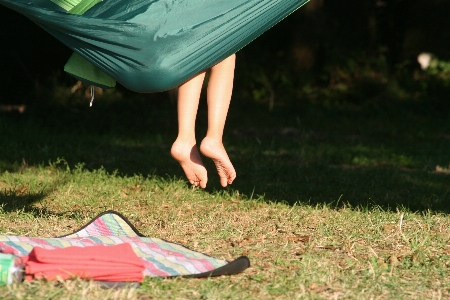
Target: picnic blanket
point(160, 258)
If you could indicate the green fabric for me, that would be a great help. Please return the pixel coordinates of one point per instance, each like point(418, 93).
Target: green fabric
point(66, 4)
point(156, 45)
point(78, 66)
point(76, 7)
point(85, 71)
point(83, 6)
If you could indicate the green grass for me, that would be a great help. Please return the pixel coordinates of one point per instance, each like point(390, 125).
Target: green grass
point(329, 202)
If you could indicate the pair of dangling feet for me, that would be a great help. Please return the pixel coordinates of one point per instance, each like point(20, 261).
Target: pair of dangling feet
point(188, 156)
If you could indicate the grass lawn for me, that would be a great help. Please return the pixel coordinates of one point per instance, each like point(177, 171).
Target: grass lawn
point(330, 202)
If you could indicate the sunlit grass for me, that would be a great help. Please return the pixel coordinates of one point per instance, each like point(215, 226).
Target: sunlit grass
point(296, 250)
point(327, 203)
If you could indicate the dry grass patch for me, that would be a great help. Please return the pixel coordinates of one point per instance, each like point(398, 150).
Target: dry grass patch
point(69, 289)
point(295, 251)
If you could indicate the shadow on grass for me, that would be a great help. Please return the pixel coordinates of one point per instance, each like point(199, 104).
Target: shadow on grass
point(13, 200)
point(290, 155)
point(385, 187)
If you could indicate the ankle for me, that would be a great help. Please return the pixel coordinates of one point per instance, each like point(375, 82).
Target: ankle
point(212, 139)
point(185, 139)
point(181, 148)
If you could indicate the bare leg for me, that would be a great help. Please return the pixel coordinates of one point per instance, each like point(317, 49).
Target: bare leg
point(220, 88)
point(184, 149)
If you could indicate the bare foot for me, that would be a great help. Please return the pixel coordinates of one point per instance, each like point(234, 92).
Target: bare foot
point(189, 158)
point(216, 151)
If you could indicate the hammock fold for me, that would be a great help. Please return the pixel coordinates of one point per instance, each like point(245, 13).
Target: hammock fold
point(156, 45)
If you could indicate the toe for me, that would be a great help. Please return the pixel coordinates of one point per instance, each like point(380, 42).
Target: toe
point(223, 181)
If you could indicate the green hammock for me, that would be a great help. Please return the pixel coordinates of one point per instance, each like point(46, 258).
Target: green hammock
point(153, 45)
point(77, 65)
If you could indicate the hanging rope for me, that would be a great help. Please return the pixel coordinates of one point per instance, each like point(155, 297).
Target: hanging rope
point(92, 95)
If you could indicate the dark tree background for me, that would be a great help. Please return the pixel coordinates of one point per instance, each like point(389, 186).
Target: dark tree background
point(323, 44)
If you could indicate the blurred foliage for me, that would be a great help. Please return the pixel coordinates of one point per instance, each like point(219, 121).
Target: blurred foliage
point(324, 53)
point(440, 70)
